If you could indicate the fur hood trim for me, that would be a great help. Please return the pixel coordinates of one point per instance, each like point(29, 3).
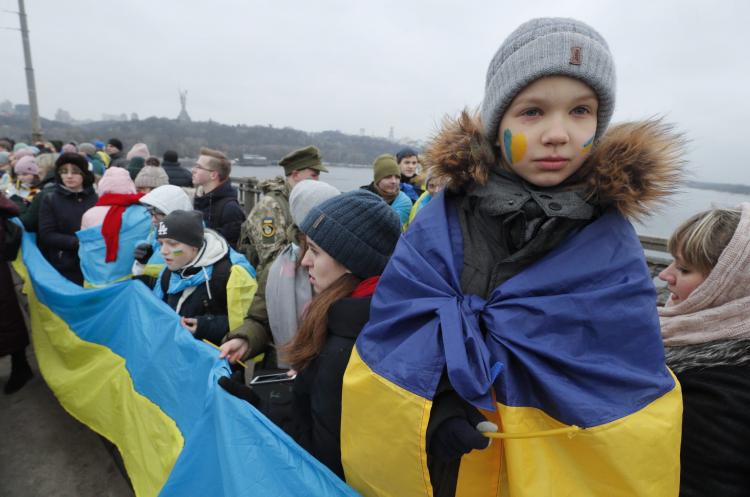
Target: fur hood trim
point(707, 355)
point(634, 167)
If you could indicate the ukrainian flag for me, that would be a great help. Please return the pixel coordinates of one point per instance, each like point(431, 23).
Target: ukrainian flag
point(566, 358)
point(118, 361)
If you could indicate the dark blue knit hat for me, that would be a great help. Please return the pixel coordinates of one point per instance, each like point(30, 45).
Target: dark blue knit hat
point(356, 228)
point(404, 153)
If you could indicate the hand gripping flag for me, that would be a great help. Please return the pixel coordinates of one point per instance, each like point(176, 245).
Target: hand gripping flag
point(565, 357)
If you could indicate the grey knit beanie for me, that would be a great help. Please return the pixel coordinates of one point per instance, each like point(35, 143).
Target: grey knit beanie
point(357, 229)
point(151, 177)
point(306, 195)
point(548, 47)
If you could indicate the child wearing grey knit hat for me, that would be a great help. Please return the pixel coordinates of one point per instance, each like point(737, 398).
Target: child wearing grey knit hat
point(528, 180)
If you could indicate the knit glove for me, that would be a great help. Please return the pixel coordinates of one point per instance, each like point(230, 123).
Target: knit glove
point(457, 436)
point(143, 252)
point(236, 386)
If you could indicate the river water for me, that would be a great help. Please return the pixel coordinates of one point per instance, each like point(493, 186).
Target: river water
point(662, 223)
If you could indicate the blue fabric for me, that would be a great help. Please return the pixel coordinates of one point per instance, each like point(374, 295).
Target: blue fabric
point(410, 191)
point(239, 259)
point(178, 283)
point(136, 223)
point(575, 335)
point(231, 450)
point(402, 205)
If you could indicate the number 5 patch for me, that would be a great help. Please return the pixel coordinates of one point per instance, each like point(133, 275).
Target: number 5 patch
point(268, 229)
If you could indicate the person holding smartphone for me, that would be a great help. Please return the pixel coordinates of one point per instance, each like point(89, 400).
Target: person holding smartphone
point(350, 238)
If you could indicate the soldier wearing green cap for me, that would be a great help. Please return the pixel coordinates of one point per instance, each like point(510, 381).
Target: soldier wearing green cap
point(264, 232)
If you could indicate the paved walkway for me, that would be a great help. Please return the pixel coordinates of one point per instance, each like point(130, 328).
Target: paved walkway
point(44, 452)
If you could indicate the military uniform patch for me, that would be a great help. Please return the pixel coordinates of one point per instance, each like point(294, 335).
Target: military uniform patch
point(268, 229)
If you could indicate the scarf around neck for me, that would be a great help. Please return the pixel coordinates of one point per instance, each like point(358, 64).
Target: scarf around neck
point(117, 203)
point(718, 308)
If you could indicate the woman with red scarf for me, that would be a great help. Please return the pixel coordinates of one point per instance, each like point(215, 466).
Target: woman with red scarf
point(350, 238)
point(118, 222)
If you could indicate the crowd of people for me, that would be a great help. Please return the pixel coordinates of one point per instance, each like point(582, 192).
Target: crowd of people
point(308, 284)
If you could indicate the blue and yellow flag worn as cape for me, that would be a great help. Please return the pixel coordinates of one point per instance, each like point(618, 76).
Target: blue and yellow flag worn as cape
point(118, 361)
point(566, 358)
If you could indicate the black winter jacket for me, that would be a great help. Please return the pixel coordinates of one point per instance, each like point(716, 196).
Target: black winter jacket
point(715, 380)
point(178, 175)
point(59, 218)
point(317, 388)
point(222, 212)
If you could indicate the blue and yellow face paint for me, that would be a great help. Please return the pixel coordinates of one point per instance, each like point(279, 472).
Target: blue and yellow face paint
point(589, 143)
point(515, 146)
point(178, 252)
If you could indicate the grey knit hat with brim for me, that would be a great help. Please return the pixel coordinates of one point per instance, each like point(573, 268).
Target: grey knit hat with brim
point(548, 47)
point(358, 229)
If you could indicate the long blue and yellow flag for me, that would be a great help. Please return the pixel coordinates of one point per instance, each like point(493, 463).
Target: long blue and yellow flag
point(566, 358)
point(118, 361)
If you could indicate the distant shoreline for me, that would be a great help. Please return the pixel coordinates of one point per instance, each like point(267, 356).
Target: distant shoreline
point(720, 187)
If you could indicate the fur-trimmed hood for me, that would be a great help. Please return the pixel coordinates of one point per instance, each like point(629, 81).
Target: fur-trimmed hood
point(707, 355)
point(633, 167)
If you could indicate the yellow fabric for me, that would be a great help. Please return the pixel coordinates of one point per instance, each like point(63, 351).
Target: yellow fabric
point(152, 270)
point(104, 157)
point(109, 404)
point(241, 288)
point(608, 460)
point(87, 284)
point(414, 210)
point(383, 431)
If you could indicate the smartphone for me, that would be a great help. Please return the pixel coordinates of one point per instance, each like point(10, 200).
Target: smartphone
point(271, 378)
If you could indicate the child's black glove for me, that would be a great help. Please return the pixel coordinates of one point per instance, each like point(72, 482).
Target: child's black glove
point(460, 435)
point(143, 252)
point(236, 386)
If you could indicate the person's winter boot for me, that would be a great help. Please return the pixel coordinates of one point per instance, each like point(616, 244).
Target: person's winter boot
point(20, 372)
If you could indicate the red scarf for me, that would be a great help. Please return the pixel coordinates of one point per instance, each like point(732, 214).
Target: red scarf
point(117, 203)
point(366, 287)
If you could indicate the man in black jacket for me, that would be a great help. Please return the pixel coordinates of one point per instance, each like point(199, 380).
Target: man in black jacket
point(216, 198)
point(178, 175)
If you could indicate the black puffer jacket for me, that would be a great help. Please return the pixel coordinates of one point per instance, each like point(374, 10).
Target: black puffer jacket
point(222, 212)
point(317, 388)
point(59, 218)
point(178, 175)
point(715, 380)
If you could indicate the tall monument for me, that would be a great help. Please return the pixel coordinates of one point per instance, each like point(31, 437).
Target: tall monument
point(183, 117)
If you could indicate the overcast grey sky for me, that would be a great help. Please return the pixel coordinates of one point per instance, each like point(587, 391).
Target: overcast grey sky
point(346, 65)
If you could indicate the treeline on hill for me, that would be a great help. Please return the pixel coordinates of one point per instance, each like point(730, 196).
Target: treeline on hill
point(720, 187)
point(162, 134)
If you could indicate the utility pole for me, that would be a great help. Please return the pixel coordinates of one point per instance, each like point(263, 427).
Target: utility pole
point(36, 128)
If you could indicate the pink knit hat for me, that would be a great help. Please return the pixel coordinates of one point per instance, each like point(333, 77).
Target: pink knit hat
point(138, 150)
point(69, 148)
point(116, 180)
point(26, 165)
point(23, 152)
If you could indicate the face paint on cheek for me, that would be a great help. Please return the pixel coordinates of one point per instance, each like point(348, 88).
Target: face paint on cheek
point(588, 144)
point(515, 146)
point(177, 252)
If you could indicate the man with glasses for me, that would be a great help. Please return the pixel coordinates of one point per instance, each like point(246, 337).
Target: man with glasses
point(215, 197)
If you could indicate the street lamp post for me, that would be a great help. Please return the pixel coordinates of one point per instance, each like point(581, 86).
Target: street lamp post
point(36, 128)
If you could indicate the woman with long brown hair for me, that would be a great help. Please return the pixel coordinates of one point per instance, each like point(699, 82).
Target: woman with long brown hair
point(350, 238)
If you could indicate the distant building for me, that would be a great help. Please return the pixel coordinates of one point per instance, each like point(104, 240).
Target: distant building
point(63, 116)
point(6, 107)
point(22, 110)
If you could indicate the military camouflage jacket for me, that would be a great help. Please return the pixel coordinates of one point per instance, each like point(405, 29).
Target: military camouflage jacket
point(264, 232)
